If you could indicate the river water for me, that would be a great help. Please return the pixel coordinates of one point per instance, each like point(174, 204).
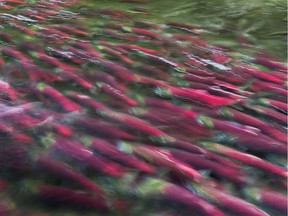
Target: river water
point(261, 23)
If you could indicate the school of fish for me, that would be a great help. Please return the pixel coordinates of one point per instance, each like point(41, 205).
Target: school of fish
point(127, 117)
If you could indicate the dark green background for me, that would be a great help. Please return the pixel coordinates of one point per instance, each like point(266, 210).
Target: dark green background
point(261, 22)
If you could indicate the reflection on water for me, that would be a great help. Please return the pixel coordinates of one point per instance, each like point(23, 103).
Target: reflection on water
point(143, 108)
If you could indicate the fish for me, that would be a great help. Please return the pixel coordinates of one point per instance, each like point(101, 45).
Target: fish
point(105, 111)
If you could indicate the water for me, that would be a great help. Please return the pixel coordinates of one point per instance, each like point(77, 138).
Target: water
point(123, 98)
point(262, 23)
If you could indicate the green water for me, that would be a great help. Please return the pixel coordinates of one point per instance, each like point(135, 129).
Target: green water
point(262, 23)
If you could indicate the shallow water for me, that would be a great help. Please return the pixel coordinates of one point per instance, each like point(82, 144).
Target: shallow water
point(262, 23)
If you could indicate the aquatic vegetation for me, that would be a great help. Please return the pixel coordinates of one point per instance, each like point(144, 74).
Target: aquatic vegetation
point(105, 113)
